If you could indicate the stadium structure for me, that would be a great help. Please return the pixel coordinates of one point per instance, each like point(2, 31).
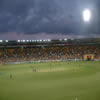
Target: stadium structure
point(49, 50)
point(65, 69)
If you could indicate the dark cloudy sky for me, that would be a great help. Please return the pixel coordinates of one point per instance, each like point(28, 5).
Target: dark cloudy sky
point(41, 19)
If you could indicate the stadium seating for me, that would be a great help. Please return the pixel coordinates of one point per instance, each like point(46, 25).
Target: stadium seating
point(48, 53)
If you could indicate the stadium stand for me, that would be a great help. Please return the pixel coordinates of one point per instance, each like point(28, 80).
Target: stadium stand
point(54, 50)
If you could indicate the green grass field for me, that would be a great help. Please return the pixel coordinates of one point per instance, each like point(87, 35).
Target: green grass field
point(51, 81)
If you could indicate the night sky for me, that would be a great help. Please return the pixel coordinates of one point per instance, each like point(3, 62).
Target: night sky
point(42, 19)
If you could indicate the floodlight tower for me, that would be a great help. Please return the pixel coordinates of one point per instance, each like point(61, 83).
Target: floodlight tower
point(86, 15)
point(86, 18)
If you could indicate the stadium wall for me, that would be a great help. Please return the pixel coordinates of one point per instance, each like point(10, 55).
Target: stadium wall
point(39, 61)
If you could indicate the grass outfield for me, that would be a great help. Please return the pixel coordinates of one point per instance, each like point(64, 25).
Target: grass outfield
point(51, 81)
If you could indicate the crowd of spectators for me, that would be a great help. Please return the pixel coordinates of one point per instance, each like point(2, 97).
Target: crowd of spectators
point(19, 54)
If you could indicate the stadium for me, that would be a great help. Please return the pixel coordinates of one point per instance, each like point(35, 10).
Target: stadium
point(64, 69)
point(49, 49)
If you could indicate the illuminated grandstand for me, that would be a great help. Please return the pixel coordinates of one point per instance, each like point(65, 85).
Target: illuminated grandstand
point(35, 50)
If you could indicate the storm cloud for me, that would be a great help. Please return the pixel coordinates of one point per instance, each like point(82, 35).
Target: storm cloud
point(32, 17)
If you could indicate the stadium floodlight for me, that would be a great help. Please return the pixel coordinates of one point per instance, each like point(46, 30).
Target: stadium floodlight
point(23, 40)
point(32, 40)
point(65, 39)
point(18, 41)
point(27, 40)
point(44, 40)
point(86, 15)
point(40, 40)
point(49, 40)
point(37, 40)
point(1, 40)
point(6, 40)
point(60, 39)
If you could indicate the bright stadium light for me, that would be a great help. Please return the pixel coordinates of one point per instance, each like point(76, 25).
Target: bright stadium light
point(23, 40)
point(1, 40)
point(86, 15)
point(6, 40)
point(18, 41)
point(27, 40)
point(40, 40)
point(60, 39)
point(65, 39)
point(49, 40)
